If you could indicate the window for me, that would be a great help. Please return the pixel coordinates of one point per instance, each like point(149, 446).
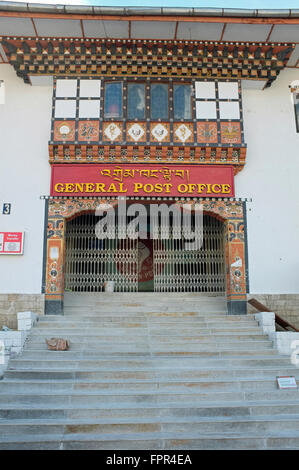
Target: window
point(226, 99)
point(113, 100)
point(77, 98)
point(136, 101)
point(182, 101)
point(90, 88)
point(66, 88)
point(159, 101)
point(89, 109)
point(65, 109)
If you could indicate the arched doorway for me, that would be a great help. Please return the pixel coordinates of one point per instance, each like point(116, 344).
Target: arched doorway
point(162, 264)
point(230, 213)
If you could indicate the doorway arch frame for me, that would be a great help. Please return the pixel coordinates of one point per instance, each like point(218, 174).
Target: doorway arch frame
point(231, 212)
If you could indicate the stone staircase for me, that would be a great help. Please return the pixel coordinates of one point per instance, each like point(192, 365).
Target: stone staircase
point(148, 371)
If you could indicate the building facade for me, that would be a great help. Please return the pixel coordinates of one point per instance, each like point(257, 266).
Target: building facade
point(175, 107)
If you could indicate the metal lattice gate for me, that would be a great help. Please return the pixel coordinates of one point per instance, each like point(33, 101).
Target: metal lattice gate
point(177, 269)
point(90, 261)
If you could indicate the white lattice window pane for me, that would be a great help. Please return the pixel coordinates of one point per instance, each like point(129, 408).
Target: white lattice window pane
point(205, 90)
point(89, 109)
point(66, 88)
point(65, 108)
point(90, 88)
point(228, 91)
point(206, 110)
point(229, 110)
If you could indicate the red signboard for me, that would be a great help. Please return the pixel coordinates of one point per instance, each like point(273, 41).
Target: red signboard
point(11, 243)
point(142, 180)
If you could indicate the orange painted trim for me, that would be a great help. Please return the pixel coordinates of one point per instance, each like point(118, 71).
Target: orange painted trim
point(185, 19)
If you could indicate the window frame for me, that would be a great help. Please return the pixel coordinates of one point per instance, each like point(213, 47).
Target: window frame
point(136, 82)
point(169, 113)
point(108, 82)
point(192, 100)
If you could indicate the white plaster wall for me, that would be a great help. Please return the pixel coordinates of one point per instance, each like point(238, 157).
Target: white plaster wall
point(271, 179)
point(25, 122)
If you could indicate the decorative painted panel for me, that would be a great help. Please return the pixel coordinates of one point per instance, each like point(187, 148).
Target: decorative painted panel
point(207, 132)
point(183, 132)
point(55, 257)
point(136, 132)
point(113, 131)
point(230, 132)
point(88, 131)
point(64, 130)
point(159, 132)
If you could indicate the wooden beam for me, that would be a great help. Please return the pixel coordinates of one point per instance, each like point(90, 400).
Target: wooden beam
point(186, 19)
point(34, 27)
point(82, 29)
point(223, 31)
point(176, 30)
point(270, 32)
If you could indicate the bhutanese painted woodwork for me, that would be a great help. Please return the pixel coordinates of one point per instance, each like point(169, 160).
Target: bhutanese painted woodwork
point(82, 133)
point(231, 213)
point(113, 57)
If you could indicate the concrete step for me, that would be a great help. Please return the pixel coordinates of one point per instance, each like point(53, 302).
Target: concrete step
point(150, 363)
point(154, 349)
point(174, 308)
point(130, 374)
point(175, 336)
point(130, 334)
point(129, 398)
point(96, 348)
point(151, 441)
point(139, 361)
point(135, 329)
point(192, 426)
point(154, 307)
point(145, 322)
point(148, 384)
point(80, 320)
point(72, 298)
point(145, 411)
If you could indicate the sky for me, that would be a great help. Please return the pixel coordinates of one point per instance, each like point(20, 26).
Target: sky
point(252, 4)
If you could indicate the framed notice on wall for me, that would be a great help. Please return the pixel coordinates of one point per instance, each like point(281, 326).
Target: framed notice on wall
point(11, 243)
